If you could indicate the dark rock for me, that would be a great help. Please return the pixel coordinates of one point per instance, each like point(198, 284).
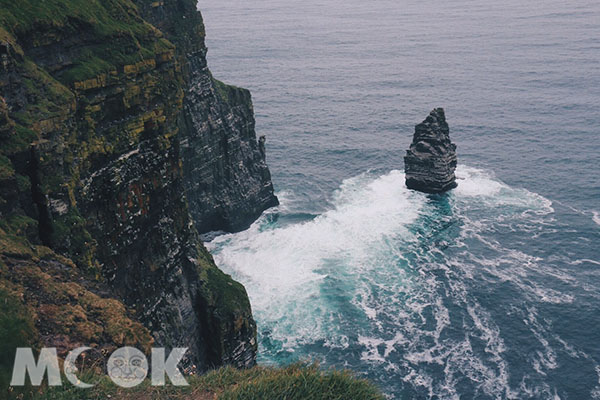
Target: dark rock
point(261, 146)
point(227, 181)
point(4, 55)
point(430, 161)
point(228, 184)
point(103, 162)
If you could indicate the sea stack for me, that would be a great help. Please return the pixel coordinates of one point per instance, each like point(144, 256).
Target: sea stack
point(430, 161)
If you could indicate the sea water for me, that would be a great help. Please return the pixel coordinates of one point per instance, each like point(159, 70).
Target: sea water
point(490, 291)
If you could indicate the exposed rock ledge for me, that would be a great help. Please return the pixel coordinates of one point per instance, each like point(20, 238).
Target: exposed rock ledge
point(116, 147)
point(430, 161)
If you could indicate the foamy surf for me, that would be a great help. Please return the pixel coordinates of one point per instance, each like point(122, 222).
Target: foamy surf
point(596, 217)
point(387, 274)
point(283, 267)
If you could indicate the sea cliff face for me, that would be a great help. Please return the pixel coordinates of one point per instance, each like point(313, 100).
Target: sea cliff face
point(117, 147)
point(228, 184)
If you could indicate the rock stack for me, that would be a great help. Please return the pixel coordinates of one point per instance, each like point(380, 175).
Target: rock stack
point(430, 161)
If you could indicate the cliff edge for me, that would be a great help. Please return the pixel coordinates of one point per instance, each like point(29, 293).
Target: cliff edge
point(227, 181)
point(116, 147)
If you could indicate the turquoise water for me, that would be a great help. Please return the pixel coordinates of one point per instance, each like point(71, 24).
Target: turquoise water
point(491, 291)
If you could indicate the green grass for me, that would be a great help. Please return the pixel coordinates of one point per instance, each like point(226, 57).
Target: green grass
point(16, 330)
point(120, 35)
point(296, 382)
point(18, 142)
point(222, 90)
point(302, 382)
point(17, 224)
point(104, 16)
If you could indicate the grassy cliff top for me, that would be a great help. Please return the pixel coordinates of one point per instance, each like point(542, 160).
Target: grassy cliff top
point(295, 382)
point(106, 17)
point(115, 35)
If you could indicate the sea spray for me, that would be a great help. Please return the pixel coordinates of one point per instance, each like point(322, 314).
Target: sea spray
point(389, 279)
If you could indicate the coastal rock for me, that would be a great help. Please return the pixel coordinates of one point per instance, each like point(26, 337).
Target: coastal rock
point(226, 178)
point(228, 184)
point(430, 161)
point(96, 132)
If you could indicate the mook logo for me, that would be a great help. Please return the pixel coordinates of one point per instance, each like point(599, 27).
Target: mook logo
point(126, 367)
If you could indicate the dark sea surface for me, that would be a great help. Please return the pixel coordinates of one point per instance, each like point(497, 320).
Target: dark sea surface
point(489, 292)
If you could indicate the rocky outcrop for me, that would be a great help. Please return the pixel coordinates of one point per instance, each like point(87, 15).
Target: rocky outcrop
point(430, 161)
point(62, 308)
point(99, 137)
point(228, 184)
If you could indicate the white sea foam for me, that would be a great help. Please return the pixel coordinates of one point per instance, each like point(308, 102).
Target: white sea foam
point(596, 217)
point(595, 394)
point(585, 260)
point(376, 254)
point(283, 268)
point(475, 182)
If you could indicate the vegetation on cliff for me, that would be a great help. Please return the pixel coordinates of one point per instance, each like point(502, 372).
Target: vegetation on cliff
point(106, 111)
point(121, 36)
point(91, 96)
point(295, 382)
point(45, 301)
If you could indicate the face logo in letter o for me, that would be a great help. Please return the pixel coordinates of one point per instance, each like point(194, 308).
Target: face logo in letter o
point(127, 367)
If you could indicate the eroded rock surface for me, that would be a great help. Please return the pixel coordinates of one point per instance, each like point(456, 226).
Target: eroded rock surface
point(227, 181)
point(430, 161)
point(109, 118)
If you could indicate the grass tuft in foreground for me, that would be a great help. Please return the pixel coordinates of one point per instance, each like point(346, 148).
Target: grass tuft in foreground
point(296, 382)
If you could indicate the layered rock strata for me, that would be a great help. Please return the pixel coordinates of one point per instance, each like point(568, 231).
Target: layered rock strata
point(430, 161)
point(227, 181)
point(116, 147)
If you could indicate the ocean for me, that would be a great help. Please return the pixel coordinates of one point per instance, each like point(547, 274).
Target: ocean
point(491, 291)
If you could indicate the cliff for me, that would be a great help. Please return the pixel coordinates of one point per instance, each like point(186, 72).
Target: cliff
point(228, 184)
point(430, 161)
point(117, 147)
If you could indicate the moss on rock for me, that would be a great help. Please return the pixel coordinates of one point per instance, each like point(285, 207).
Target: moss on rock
point(95, 227)
point(45, 301)
point(17, 329)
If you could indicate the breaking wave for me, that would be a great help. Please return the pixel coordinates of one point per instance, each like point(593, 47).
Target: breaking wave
point(428, 295)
